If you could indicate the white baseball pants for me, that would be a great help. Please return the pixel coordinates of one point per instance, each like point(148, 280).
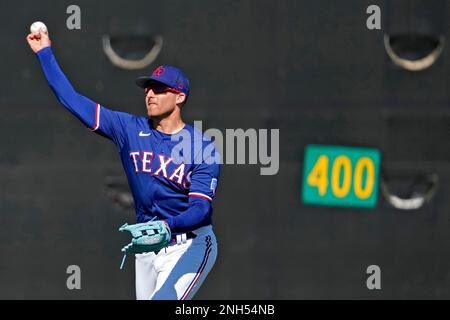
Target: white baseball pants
point(177, 272)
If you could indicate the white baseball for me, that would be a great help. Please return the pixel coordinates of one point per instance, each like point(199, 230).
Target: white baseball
point(34, 28)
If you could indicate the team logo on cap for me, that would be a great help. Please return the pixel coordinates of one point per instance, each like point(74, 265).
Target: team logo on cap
point(159, 71)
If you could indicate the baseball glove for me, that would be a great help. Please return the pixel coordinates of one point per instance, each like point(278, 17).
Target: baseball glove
point(151, 236)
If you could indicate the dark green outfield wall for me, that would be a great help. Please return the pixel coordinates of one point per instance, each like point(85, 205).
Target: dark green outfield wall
point(309, 68)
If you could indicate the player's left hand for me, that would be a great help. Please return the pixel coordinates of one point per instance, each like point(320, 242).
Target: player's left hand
point(151, 236)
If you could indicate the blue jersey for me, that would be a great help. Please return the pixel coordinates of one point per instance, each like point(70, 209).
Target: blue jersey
point(166, 185)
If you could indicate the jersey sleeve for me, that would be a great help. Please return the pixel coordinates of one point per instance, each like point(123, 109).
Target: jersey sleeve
point(108, 123)
point(204, 181)
point(205, 177)
point(111, 124)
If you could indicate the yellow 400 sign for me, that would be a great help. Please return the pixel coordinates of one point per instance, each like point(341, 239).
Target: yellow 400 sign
point(340, 176)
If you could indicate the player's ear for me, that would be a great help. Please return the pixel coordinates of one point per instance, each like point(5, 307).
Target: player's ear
point(181, 98)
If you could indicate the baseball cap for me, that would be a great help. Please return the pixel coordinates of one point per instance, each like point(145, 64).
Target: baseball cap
point(168, 75)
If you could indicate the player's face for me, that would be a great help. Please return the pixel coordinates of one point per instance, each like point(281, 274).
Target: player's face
point(160, 100)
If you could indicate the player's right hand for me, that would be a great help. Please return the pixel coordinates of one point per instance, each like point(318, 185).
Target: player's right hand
point(39, 40)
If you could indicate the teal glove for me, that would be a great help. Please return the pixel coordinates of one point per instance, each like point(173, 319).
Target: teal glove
point(151, 236)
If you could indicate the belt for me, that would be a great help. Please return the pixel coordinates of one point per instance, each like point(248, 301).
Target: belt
point(182, 238)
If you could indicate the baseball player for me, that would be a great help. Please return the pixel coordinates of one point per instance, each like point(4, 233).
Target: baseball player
point(164, 188)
